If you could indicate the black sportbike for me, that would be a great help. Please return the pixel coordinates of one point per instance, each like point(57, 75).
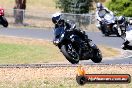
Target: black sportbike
point(74, 48)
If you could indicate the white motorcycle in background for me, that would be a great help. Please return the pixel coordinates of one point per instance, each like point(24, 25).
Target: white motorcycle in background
point(128, 37)
point(129, 33)
point(108, 23)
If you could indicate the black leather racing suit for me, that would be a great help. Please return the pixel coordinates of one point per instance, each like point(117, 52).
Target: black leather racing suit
point(80, 33)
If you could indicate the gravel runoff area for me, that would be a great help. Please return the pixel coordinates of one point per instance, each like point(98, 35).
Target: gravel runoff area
point(53, 76)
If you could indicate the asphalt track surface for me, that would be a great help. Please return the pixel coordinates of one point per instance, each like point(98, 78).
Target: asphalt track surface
point(97, 38)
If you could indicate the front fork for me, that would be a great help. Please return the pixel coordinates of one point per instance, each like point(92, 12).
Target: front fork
point(92, 45)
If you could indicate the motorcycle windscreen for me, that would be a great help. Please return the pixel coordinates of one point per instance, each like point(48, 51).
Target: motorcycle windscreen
point(102, 13)
point(58, 32)
point(110, 18)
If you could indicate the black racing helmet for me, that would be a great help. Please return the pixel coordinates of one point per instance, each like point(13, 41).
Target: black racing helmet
point(56, 17)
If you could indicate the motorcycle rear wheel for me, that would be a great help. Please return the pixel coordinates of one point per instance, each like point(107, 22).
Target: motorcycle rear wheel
point(70, 54)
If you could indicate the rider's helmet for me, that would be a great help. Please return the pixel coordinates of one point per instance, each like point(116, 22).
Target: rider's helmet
point(99, 6)
point(121, 19)
point(56, 17)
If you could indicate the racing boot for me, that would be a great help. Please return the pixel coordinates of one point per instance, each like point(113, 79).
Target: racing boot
point(125, 44)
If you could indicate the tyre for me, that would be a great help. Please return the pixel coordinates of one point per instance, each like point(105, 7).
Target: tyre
point(106, 30)
point(117, 35)
point(81, 80)
point(97, 57)
point(106, 34)
point(4, 21)
point(70, 54)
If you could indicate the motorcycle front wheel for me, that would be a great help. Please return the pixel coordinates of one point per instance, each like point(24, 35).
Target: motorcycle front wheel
point(97, 56)
point(70, 53)
point(4, 21)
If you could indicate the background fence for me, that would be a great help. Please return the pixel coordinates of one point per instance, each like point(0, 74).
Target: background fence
point(43, 19)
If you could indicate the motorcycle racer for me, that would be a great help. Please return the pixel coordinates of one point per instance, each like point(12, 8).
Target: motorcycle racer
point(99, 13)
point(60, 22)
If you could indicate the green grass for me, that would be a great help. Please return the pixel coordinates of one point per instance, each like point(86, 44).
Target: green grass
point(21, 51)
point(13, 53)
point(18, 53)
point(25, 54)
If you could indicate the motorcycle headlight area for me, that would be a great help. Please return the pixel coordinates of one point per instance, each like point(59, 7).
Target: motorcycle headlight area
point(91, 44)
point(56, 41)
point(62, 35)
point(2, 11)
point(72, 38)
